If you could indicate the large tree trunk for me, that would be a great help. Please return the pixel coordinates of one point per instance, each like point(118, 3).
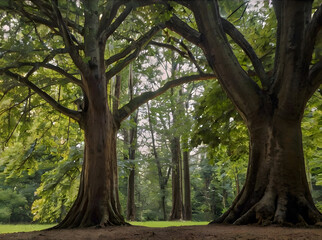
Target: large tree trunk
point(176, 212)
point(276, 189)
point(97, 203)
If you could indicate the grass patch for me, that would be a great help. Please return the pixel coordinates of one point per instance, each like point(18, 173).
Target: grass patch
point(11, 228)
point(168, 223)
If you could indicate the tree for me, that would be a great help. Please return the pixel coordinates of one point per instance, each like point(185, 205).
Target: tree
point(162, 177)
point(130, 139)
point(13, 206)
point(271, 104)
point(71, 40)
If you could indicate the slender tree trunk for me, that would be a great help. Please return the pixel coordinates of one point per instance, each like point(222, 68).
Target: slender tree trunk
point(237, 183)
point(131, 181)
point(308, 175)
point(130, 215)
point(276, 188)
point(187, 186)
point(176, 212)
point(162, 179)
point(131, 151)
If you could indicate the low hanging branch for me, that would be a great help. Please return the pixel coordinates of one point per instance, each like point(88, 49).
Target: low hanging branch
point(57, 69)
point(136, 102)
point(66, 111)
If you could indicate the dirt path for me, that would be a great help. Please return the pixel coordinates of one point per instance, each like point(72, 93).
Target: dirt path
point(226, 232)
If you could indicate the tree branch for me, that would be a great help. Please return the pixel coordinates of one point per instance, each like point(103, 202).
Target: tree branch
point(68, 112)
point(136, 46)
point(122, 64)
point(312, 31)
point(316, 23)
point(175, 24)
point(106, 28)
point(57, 69)
point(315, 78)
point(169, 46)
point(116, 100)
point(68, 40)
point(15, 104)
point(183, 29)
point(191, 57)
point(6, 91)
point(136, 102)
point(45, 64)
point(238, 38)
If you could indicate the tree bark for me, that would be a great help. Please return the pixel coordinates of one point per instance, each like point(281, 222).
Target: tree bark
point(276, 189)
point(130, 215)
point(237, 183)
point(186, 179)
point(176, 212)
point(97, 203)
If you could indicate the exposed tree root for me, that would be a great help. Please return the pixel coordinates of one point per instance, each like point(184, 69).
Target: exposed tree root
point(284, 210)
point(85, 214)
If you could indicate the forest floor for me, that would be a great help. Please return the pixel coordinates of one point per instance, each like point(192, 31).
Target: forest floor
point(226, 232)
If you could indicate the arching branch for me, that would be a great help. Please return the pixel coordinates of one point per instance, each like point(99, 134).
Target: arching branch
point(177, 25)
point(169, 46)
point(57, 69)
point(239, 38)
point(45, 64)
point(136, 102)
point(131, 52)
point(106, 27)
point(192, 35)
point(68, 40)
point(66, 111)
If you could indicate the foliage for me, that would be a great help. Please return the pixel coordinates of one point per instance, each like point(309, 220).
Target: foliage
point(13, 206)
point(42, 151)
point(312, 135)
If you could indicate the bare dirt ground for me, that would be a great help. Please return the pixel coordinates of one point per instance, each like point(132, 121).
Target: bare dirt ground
point(226, 232)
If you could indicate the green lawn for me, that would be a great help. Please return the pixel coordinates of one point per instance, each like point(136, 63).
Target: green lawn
point(11, 228)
